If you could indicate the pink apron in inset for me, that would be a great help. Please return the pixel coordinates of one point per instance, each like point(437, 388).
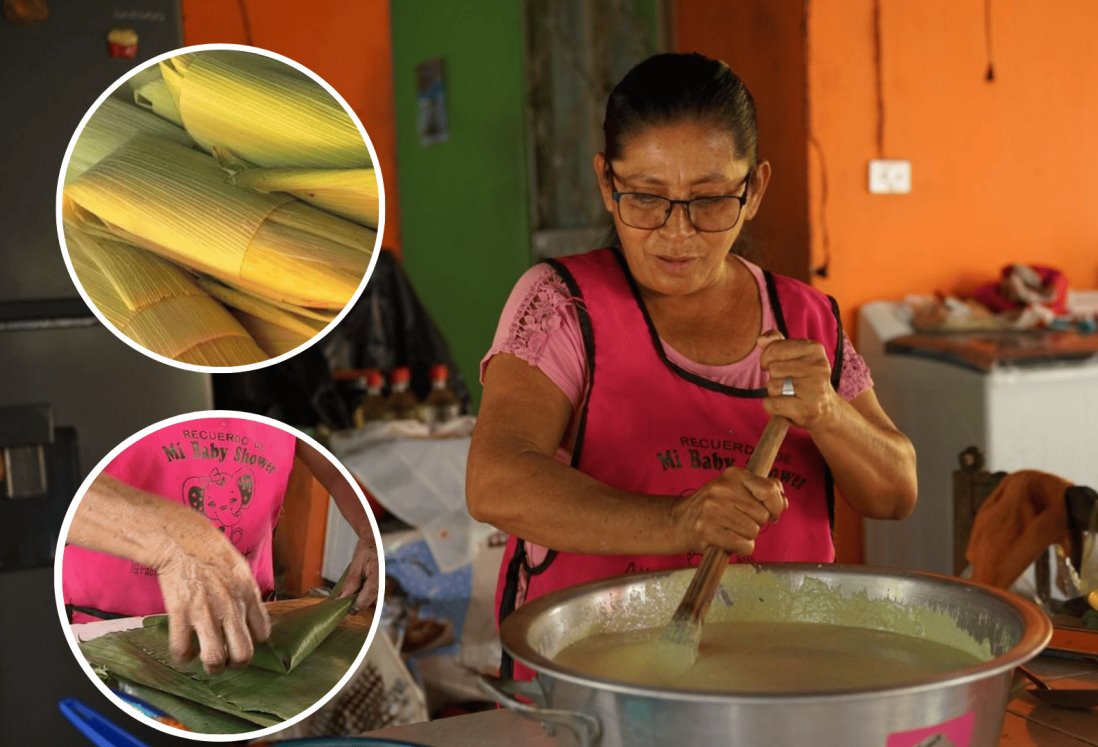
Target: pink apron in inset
point(232, 471)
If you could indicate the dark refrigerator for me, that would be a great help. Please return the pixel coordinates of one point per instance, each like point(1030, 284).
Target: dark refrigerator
point(70, 391)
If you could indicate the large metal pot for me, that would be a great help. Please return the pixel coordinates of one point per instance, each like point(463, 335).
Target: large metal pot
point(964, 708)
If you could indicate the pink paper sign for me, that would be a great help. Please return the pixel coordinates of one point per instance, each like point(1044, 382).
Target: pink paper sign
point(954, 733)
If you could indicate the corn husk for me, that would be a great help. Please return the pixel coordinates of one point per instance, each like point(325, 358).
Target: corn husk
point(157, 305)
point(258, 696)
point(277, 328)
point(273, 338)
point(351, 193)
point(178, 203)
point(112, 124)
point(155, 97)
point(133, 83)
point(300, 218)
point(263, 111)
point(283, 315)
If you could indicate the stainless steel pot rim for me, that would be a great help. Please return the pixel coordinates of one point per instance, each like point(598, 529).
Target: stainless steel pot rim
point(1037, 626)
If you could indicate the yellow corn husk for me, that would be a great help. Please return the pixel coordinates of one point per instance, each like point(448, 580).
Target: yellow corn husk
point(298, 217)
point(155, 97)
point(351, 193)
point(273, 338)
point(179, 203)
point(133, 83)
point(321, 317)
point(157, 305)
point(265, 112)
point(112, 124)
point(257, 307)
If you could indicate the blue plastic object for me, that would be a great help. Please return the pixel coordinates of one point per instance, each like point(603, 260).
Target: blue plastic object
point(96, 727)
point(144, 708)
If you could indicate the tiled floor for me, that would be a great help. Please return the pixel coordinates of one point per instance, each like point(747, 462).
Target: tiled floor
point(1031, 723)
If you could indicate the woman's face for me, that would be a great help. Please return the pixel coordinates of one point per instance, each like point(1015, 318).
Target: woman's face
point(679, 161)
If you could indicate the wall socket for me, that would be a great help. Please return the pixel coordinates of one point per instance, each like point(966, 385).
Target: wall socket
point(889, 177)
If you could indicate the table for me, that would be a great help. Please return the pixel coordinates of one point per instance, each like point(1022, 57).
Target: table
point(1031, 723)
point(1028, 722)
point(87, 631)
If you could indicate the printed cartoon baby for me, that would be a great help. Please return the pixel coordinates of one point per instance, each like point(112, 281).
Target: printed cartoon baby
point(222, 497)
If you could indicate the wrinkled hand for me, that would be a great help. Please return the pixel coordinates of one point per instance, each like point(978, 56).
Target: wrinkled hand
point(209, 590)
point(805, 362)
point(729, 511)
point(362, 577)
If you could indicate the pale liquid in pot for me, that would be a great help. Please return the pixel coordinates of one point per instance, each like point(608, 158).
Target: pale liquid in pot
point(765, 657)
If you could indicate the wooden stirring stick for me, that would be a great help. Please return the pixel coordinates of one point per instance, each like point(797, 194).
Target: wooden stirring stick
point(685, 625)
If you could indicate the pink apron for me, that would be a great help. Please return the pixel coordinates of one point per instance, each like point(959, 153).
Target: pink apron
point(233, 471)
point(650, 427)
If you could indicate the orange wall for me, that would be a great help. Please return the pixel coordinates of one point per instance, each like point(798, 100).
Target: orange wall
point(1002, 172)
point(763, 41)
point(760, 40)
point(346, 43)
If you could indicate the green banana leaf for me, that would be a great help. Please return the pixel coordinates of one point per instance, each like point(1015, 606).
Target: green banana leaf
point(142, 657)
point(313, 663)
point(294, 634)
point(196, 717)
point(297, 634)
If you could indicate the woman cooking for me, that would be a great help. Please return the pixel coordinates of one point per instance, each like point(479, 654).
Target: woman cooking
point(626, 387)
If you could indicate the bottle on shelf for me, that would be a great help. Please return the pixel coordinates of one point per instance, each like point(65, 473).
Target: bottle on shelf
point(402, 402)
point(441, 405)
point(372, 406)
point(351, 385)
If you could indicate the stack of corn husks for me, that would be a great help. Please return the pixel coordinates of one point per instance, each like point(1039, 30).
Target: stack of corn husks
point(226, 213)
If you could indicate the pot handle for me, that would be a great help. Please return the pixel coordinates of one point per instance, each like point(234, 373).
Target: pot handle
point(587, 729)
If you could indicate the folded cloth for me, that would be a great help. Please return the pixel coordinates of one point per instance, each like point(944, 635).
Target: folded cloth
point(1015, 524)
point(1021, 286)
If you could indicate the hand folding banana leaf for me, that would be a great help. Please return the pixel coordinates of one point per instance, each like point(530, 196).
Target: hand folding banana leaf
point(294, 634)
point(308, 652)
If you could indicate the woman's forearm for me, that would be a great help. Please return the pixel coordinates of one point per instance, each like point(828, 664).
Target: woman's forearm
point(344, 496)
point(205, 583)
point(873, 463)
point(514, 483)
point(539, 499)
point(116, 518)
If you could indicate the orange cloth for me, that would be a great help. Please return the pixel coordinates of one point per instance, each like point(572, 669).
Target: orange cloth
point(1016, 523)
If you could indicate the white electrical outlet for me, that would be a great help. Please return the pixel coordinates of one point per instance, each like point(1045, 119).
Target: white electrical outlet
point(889, 177)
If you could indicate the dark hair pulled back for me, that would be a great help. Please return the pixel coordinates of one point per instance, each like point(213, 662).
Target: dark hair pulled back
point(669, 88)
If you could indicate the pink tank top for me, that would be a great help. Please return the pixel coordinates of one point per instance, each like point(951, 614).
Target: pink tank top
point(233, 471)
point(651, 427)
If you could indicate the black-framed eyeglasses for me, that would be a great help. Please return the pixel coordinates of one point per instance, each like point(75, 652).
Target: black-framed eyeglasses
point(709, 214)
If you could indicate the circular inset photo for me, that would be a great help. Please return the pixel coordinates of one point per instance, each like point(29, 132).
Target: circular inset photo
point(219, 208)
point(189, 582)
